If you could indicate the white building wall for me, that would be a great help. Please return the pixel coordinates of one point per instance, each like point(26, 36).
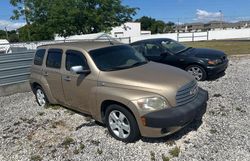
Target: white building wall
point(129, 29)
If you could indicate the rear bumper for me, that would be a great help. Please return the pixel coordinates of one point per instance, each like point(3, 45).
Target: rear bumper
point(169, 120)
point(214, 70)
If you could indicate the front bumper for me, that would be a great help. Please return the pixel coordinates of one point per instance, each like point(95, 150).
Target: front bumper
point(172, 119)
point(214, 70)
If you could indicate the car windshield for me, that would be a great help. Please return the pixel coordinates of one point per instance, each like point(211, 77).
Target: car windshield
point(117, 58)
point(173, 46)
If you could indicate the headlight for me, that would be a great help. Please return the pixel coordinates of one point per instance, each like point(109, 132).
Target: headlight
point(214, 62)
point(152, 103)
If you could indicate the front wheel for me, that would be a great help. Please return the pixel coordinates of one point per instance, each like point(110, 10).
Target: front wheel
point(197, 71)
point(121, 124)
point(41, 97)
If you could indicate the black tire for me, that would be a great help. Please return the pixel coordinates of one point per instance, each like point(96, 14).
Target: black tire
point(46, 102)
point(201, 69)
point(134, 134)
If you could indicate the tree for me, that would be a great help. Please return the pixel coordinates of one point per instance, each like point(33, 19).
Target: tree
point(70, 17)
point(23, 9)
point(155, 26)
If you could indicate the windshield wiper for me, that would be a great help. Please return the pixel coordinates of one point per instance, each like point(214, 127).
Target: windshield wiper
point(125, 67)
point(139, 63)
point(184, 50)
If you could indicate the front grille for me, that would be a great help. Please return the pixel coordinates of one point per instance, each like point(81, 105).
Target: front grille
point(187, 93)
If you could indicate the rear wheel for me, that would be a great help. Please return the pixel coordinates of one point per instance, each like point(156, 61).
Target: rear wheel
point(121, 124)
point(41, 97)
point(197, 71)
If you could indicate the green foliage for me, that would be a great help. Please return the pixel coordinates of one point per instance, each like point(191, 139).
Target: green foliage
point(155, 26)
point(99, 151)
point(36, 158)
point(69, 17)
point(12, 35)
point(67, 141)
point(165, 158)
point(152, 156)
point(175, 151)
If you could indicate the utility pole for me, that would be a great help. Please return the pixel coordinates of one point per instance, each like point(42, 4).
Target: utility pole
point(178, 29)
point(221, 20)
point(26, 10)
point(7, 36)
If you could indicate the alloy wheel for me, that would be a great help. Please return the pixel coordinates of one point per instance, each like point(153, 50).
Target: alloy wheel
point(119, 124)
point(196, 72)
point(40, 97)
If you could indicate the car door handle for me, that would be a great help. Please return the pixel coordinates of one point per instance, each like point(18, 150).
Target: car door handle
point(67, 78)
point(45, 74)
point(181, 59)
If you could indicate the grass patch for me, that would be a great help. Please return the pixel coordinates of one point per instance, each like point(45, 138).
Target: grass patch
point(70, 112)
point(57, 124)
point(87, 118)
point(152, 156)
point(165, 158)
point(95, 142)
point(175, 151)
point(170, 142)
point(230, 47)
point(30, 136)
point(213, 131)
point(17, 123)
point(99, 151)
point(82, 146)
point(240, 110)
point(67, 141)
point(53, 107)
point(76, 151)
point(217, 95)
point(36, 158)
point(40, 113)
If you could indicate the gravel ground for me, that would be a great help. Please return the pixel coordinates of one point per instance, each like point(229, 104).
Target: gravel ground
point(28, 132)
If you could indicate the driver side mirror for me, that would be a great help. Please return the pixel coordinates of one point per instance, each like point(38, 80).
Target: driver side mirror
point(79, 70)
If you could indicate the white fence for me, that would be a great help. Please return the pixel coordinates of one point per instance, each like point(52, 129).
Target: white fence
point(200, 36)
point(182, 37)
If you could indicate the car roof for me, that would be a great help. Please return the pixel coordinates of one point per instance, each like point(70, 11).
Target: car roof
point(150, 40)
point(86, 45)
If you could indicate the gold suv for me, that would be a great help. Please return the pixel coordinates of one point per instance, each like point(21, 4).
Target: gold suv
point(117, 86)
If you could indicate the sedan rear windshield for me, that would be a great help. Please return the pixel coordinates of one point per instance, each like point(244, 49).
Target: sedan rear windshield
point(117, 58)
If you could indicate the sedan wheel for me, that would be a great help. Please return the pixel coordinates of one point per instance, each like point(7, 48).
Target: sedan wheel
point(197, 71)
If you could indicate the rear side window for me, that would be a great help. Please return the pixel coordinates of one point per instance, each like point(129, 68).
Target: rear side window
point(153, 49)
point(54, 58)
point(38, 60)
point(75, 58)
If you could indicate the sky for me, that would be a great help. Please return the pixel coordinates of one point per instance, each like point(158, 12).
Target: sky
point(178, 11)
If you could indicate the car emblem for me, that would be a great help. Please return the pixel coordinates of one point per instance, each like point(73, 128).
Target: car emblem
point(193, 91)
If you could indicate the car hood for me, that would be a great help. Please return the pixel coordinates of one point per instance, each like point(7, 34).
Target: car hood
point(205, 53)
point(152, 77)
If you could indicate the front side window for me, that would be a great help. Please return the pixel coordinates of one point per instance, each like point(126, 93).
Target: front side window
point(153, 49)
point(117, 58)
point(75, 58)
point(139, 47)
point(54, 58)
point(38, 60)
point(173, 46)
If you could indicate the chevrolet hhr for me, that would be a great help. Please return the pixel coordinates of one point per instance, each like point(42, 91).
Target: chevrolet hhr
point(116, 86)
